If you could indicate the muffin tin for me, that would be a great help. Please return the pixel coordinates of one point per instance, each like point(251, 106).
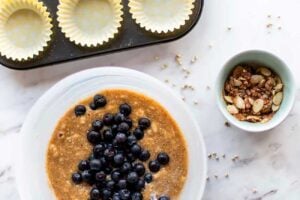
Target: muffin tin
point(131, 35)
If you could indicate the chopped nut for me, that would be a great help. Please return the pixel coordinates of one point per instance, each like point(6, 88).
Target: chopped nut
point(239, 102)
point(228, 99)
point(264, 71)
point(232, 109)
point(255, 79)
point(275, 108)
point(278, 87)
point(258, 105)
point(278, 98)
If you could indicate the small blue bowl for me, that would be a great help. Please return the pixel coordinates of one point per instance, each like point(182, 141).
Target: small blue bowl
point(277, 65)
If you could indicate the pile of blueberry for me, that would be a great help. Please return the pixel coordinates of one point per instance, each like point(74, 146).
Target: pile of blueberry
point(116, 167)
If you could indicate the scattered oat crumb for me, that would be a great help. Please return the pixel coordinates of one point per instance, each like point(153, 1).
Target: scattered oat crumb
point(279, 28)
point(217, 158)
point(209, 156)
point(210, 46)
point(186, 86)
point(178, 59)
point(269, 25)
point(226, 175)
point(235, 158)
point(214, 154)
point(229, 28)
point(166, 80)
point(227, 124)
point(173, 85)
point(207, 179)
point(164, 66)
point(207, 87)
point(278, 17)
point(156, 57)
point(224, 156)
point(183, 98)
point(194, 59)
point(254, 191)
point(195, 102)
point(269, 16)
point(216, 177)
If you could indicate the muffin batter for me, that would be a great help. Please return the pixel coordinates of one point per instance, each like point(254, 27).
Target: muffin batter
point(69, 145)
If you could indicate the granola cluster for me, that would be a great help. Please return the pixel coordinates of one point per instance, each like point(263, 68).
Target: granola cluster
point(252, 93)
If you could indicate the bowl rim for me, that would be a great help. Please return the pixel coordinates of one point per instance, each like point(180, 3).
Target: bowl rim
point(104, 70)
point(241, 125)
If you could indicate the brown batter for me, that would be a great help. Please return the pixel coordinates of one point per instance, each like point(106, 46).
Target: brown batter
point(69, 145)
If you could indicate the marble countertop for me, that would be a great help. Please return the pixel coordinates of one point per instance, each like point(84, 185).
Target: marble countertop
point(269, 163)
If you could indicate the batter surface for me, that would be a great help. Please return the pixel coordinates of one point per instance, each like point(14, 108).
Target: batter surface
point(69, 145)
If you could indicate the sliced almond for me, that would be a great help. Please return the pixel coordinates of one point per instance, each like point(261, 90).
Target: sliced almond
point(228, 99)
point(232, 109)
point(239, 102)
point(277, 99)
point(240, 117)
point(253, 118)
point(277, 79)
point(258, 105)
point(251, 101)
point(255, 79)
point(278, 87)
point(262, 83)
point(237, 83)
point(275, 108)
point(264, 71)
point(266, 119)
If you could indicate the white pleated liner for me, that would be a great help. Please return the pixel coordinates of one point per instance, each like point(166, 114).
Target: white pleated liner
point(74, 34)
point(138, 7)
point(10, 51)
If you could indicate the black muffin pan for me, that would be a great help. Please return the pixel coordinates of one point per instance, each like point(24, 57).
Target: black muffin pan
point(130, 36)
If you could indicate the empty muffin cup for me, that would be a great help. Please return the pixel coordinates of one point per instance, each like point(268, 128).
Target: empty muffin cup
point(25, 29)
point(161, 17)
point(90, 23)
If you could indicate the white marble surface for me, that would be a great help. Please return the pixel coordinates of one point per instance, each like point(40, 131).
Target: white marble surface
point(269, 162)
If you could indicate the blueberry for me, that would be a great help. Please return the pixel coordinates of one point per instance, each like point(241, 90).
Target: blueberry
point(163, 158)
point(122, 184)
point(107, 170)
point(116, 175)
point(119, 118)
point(84, 165)
point(108, 119)
point(140, 185)
point(144, 123)
point(109, 154)
point(137, 196)
point(132, 177)
point(126, 168)
point(138, 133)
point(116, 196)
point(76, 178)
point(100, 176)
point(98, 150)
point(154, 166)
point(145, 155)
point(164, 198)
point(129, 122)
point(94, 137)
point(136, 150)
point(110, 185)
point(106, 194)
point(125, 109)
point(119, 159)
point(80, 110)
point(97, 125)
point(139, 169)
point(130, 157)
point(87, 176)
point(95, 194)
point(124, 194)
point(95, 165)
point(131, 140)
point(148, 178)
point(123, 127)
point(93, 106)
point(100, 101)
point(121, 138)
point(108, 135)
point(114, 129)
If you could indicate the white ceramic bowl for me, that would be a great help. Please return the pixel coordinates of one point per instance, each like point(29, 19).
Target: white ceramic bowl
point(277, 65)
point(38, 127)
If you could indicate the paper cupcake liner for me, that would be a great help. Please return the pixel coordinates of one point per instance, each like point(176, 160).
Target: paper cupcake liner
point(90, 23)
point(15, 43)
point(159, 16)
